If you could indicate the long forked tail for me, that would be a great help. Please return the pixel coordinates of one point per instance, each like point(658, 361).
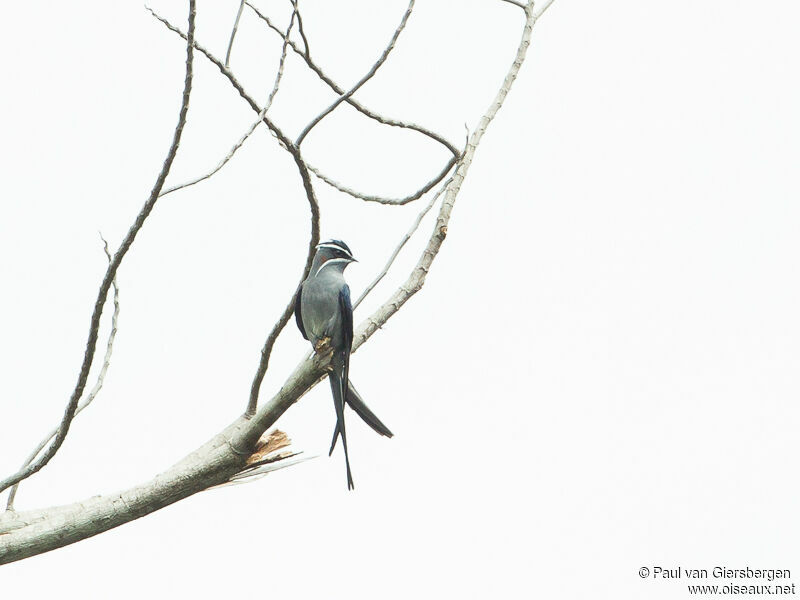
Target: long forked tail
point(338, 391)
point(356, 402)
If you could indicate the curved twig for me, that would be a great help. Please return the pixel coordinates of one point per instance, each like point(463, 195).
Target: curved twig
point(253, 127)
point(372, 115)
point(310, 372)
point(352, 101)
point(233, 33)
point(402, 243)
point(374, 69)
point(381, 199)
point(284, 47)
point(92, 394)
point(111, 272)
point(266, 351)
point(416, 280)
point(302, 30)
point(312, 200)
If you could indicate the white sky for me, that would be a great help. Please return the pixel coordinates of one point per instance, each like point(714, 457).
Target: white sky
point(600, 373)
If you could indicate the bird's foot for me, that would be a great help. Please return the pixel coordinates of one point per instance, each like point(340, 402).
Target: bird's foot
point(324, 351)
point(323, 346)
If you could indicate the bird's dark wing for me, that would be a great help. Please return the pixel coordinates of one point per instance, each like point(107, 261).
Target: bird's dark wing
point(298, 316)
point(346, 310)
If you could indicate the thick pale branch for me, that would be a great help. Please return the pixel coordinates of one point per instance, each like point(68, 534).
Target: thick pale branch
point(28, 533)
point(111, 272)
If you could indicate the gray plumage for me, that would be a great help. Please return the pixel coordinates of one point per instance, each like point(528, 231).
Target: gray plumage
point(323, 311)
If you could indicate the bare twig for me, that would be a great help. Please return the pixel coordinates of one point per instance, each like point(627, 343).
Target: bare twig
point(382, 199)
point(302, 29)
point(309, 372)
point(352, 101)
point(416, 280)
point(111, 272)
point(274, 129)
point(92, 394)
point(252, 127)
point(219, 166)
point(266, 351)
point(312, 200)
point(233, 33)
point(372, 115)
point(363, 80)
point(515, 3)
point(540, 11)
point(284, 48)
point(402, 243)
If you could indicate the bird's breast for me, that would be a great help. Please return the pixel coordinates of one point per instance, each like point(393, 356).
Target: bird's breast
point(320, 307)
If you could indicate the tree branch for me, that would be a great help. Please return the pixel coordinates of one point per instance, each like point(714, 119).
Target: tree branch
point(382, 199)
point(309, 372)
point(402, 243)
point(34, 532)
point(363, 80)
point(233, 33)
point(266, 351)
point(352, 101)
point(347, 97)
point(111, 271)
point(92, 394)
point(417, 277)
point(302, 30)
point(255, 124)
point(309, 189)
point(515, 3)
point(312, 200)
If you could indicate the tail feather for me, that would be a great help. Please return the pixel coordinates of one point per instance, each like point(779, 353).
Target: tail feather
point(338, 390)
point(356, 402)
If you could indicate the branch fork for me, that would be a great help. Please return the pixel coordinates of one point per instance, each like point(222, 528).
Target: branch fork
point(218, 462)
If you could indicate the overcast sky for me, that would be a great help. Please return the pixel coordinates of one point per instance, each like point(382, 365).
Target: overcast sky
point(600, 374)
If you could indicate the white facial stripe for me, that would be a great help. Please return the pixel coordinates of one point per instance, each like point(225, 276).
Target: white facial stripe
point(334, 247)
point(330, 262)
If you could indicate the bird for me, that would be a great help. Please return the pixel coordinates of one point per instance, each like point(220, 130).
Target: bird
point(324, 315)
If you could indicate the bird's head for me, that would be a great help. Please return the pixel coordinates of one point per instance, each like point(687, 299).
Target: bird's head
point(333, 253)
